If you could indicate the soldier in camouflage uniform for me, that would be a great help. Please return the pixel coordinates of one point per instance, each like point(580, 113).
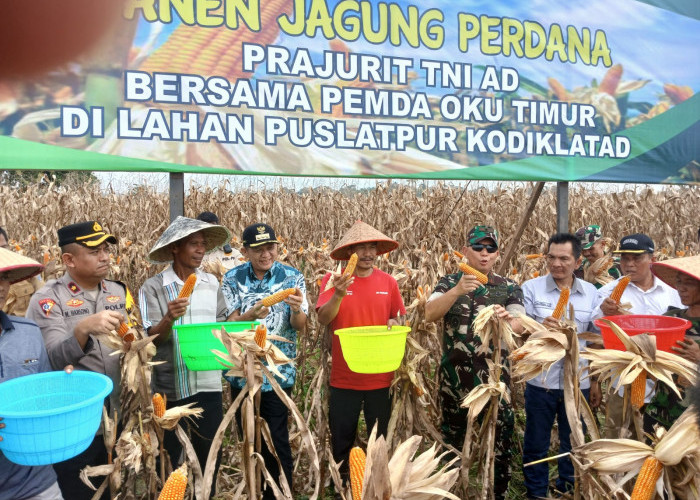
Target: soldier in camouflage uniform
point(457, 299)
point(592, 249)
point(683, 275)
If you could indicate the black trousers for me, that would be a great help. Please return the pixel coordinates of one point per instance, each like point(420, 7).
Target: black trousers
point(344, 413)
point(68, 471)
point(276, 414)
point(200, 430)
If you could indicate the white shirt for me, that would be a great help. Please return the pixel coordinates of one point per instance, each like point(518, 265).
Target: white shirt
point(541, 297)
point(656, 301)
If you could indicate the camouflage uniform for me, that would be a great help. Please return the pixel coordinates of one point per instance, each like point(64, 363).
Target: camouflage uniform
point(665, 407)
point(461, 369)
point(588, 235)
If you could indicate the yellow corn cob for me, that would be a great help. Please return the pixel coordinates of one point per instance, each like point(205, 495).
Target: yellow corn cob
point(352, 263)
point(467, 269)
point(261, 335)
point(678, 94)
point(215, 51)
point(532, 256)
point(277, 297)
point(47, 257)
point(174, 488)
point(638, 390)
point(123, 332)
point(616, 294)
point(158, 405)
point(558, 89)
point(646, 480)
point(561, 305)
point(611, 80)
point(458, 254)
point(188, 287)
point(357, 462)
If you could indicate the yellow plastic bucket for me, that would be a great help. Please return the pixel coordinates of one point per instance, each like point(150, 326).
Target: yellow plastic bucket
point(373, 349)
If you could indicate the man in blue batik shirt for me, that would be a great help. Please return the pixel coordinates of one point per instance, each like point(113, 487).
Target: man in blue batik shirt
point(244, 288)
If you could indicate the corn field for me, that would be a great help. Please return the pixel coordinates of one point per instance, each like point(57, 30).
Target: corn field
point(429, 223)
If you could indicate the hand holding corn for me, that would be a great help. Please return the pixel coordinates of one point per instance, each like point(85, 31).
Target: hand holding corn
point(177, 308)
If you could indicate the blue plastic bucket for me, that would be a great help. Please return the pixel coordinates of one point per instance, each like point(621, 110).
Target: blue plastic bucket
point(51, 417)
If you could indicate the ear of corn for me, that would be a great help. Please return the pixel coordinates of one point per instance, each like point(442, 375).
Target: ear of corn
point(188, 287)
point(619, 289)
point(638, 390)
point(123, 332)
point(459, 255)
point(261, 335)
point(277, 297)
point(533, 256)
point(158, 405)
point(646, 480)
point(561, 304)
point(357, 463)
point(352, 263)
point(611, 80)
point(174, 488)
point(467, 269)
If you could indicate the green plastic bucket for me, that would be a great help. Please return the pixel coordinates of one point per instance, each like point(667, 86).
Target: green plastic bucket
point(197, 341)
point(373, 349)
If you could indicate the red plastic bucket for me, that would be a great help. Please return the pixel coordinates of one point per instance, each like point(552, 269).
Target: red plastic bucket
point(666, 329)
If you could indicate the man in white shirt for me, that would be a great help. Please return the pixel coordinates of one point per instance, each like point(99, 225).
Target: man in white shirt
point(646, 293)
point(544, 396)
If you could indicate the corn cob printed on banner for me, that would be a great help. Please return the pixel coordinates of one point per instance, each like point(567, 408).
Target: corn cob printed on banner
point(439, 90)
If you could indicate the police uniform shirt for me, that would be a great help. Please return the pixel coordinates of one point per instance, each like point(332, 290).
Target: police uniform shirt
point(58, 307)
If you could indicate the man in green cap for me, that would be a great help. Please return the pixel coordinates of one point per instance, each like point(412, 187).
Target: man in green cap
point(598, 266)
point(457, 299)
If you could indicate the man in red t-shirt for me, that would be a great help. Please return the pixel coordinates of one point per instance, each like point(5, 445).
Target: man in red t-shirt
point(366, 298)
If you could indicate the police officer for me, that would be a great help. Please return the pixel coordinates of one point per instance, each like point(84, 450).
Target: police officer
point(69, 310)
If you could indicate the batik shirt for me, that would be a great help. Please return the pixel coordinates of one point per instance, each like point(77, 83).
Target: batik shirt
point(242, 290)
point(665, 407)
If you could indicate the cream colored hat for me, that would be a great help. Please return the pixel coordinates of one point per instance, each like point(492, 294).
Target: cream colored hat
point(360, 232)
point(182, 227)
point(18, 267)
point(667, 270)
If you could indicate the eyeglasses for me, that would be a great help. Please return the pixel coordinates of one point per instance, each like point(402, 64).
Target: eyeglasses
point(489, 248)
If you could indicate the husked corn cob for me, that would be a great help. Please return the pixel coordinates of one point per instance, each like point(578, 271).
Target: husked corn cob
point(352, 263)
point(174, 488)
point(261, 335)
point(357, 462)
point(467, 269)
point(532, 256)
point(277, 297)
point(158, 405)
point(611, 80)
point(188, 287)
point(558, 89)
point(561, 304)
point(619, 289)
point(646, 480)
point(123, 332)
point(459, 255)
point(638, 390)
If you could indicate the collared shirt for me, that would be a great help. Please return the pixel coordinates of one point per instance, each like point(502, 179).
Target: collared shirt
point(58, 307)
point(656, 300)
point(207, 305)
point(22, 353)
point(19, 295)
point(541, 297)
point(243, 290)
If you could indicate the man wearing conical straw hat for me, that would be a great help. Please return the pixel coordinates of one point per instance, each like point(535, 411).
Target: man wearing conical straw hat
point(366, 298)
point(183, 245)
point(458, 298)
point(22, 352)
point(20, 293)
point(683, 275)
point(70, 311)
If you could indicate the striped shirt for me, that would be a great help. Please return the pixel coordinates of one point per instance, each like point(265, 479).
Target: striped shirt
point(207, 305)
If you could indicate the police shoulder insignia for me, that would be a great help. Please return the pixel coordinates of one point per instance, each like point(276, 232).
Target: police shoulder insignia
point(73, 287)
point(75, 302)
point(46, 305)
point(113, 299)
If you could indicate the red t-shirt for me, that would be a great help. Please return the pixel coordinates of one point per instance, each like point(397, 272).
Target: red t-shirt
point(372, 300)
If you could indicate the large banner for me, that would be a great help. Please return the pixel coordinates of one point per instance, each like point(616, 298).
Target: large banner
point(592, 90)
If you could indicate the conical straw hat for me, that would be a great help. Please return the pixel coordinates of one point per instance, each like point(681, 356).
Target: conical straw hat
point(17, 267)
point(667, 271)
point(182, 227)
point(360, 232)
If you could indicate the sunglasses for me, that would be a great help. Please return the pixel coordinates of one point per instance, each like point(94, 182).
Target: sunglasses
point(489, 248)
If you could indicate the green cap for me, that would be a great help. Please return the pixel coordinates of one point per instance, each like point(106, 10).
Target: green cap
point(588, 235)
point(478, 233)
